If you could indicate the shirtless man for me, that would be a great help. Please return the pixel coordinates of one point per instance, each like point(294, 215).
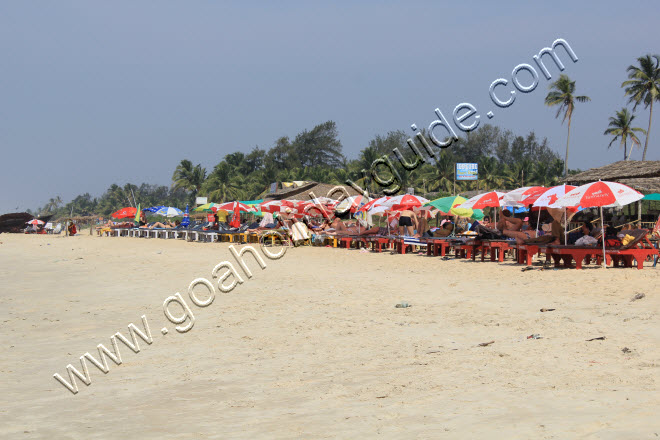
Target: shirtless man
point(509, 223)
point(408, 220)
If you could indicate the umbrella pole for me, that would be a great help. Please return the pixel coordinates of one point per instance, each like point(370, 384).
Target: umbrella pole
point(538, 220)
point(565, 226)
point(602, 228)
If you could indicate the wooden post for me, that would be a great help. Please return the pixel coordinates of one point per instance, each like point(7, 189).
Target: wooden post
point(639, 210)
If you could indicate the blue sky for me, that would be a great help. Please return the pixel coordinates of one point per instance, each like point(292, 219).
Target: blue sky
point(95, 93)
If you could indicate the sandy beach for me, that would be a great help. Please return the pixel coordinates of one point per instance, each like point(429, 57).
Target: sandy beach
point(314, 347)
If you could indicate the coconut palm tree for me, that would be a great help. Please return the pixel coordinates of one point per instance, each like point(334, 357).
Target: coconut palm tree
point(224, 184)
point(562, 94)
point(188, 177)
point(620, 127)
point(643, 86)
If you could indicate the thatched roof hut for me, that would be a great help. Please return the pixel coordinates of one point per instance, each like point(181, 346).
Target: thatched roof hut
point(302, 191)
point(644, 176)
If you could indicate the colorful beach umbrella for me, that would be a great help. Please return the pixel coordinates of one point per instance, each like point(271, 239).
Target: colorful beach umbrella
point(273, 206)
point(205, 208)
point(124, 212)
point(153, 209)
point(445, 204)
point(137, 214)
point(655, 197)
point(601, 195)
point(169, 211)
point(548, 198)
point(35, 222)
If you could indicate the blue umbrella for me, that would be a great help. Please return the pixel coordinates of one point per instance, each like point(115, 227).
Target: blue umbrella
point(186, 219)
point(169, 211)
point(153, 209)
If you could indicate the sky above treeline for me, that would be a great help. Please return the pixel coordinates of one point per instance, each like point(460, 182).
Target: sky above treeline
point(96, 93)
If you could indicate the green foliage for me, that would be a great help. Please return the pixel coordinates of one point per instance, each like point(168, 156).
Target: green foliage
point(643, 87)
point(505, 161)
point(620, 127)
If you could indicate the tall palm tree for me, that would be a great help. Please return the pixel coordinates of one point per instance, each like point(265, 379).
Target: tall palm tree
point(620, 127)
point(188, 177)
point(562, 93)
point(224, 184)
point(643, 86)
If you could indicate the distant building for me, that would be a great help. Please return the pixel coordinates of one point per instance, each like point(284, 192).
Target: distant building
point(302, 190)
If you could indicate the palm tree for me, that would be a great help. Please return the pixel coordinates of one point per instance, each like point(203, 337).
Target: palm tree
point(188, 177)
point(643, 86)
point(562, 94)
point(620, 127)
point(224, 184)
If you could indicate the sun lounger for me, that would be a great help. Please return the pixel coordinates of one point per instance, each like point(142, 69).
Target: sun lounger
point(496, 248)
point(378, 242)
point(438, 246)
point(638, 250)
point(401, 244)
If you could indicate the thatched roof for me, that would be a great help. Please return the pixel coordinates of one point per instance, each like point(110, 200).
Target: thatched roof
point(642, 175)
point(302, 192)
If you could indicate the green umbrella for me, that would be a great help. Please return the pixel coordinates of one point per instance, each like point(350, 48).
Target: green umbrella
point(445, 204)
point(655, 197)
point(477, 214)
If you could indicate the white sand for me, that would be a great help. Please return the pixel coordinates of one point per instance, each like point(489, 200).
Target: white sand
point(313, 347)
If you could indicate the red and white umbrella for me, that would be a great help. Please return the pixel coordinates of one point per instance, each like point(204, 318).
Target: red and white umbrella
point(516, 196)
point(602, 195)
point(232, 206)
point(275, 206)
point(491, 199)
point(352, 203)
point(373, 204)
point(548, 198)
point(406, 201)
point(35, 222)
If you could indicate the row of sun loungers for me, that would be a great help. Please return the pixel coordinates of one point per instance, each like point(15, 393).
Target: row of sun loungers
point(634, 253)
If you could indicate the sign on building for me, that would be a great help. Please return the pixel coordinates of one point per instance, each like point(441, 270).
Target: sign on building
point(467, 171)
point(201, 200)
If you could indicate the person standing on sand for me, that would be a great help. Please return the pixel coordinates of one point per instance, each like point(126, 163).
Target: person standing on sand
point(408, 220)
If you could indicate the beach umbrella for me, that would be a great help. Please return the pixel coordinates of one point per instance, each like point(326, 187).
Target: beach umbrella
point(186, 218)
point(273, 206)
point(445, 204)
point(137, 214)
point(406, 201)
point(236, 216)
point(35, 222)
point(169, 211)
point(232, 206)
point(655, 197)
point(124, 213)
point(491, 199)
point(205, 208)
point(516, 196)
point(153, 209)
point(601, 195)
point(548, 198)
point(374, 203)
point(352, 203)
